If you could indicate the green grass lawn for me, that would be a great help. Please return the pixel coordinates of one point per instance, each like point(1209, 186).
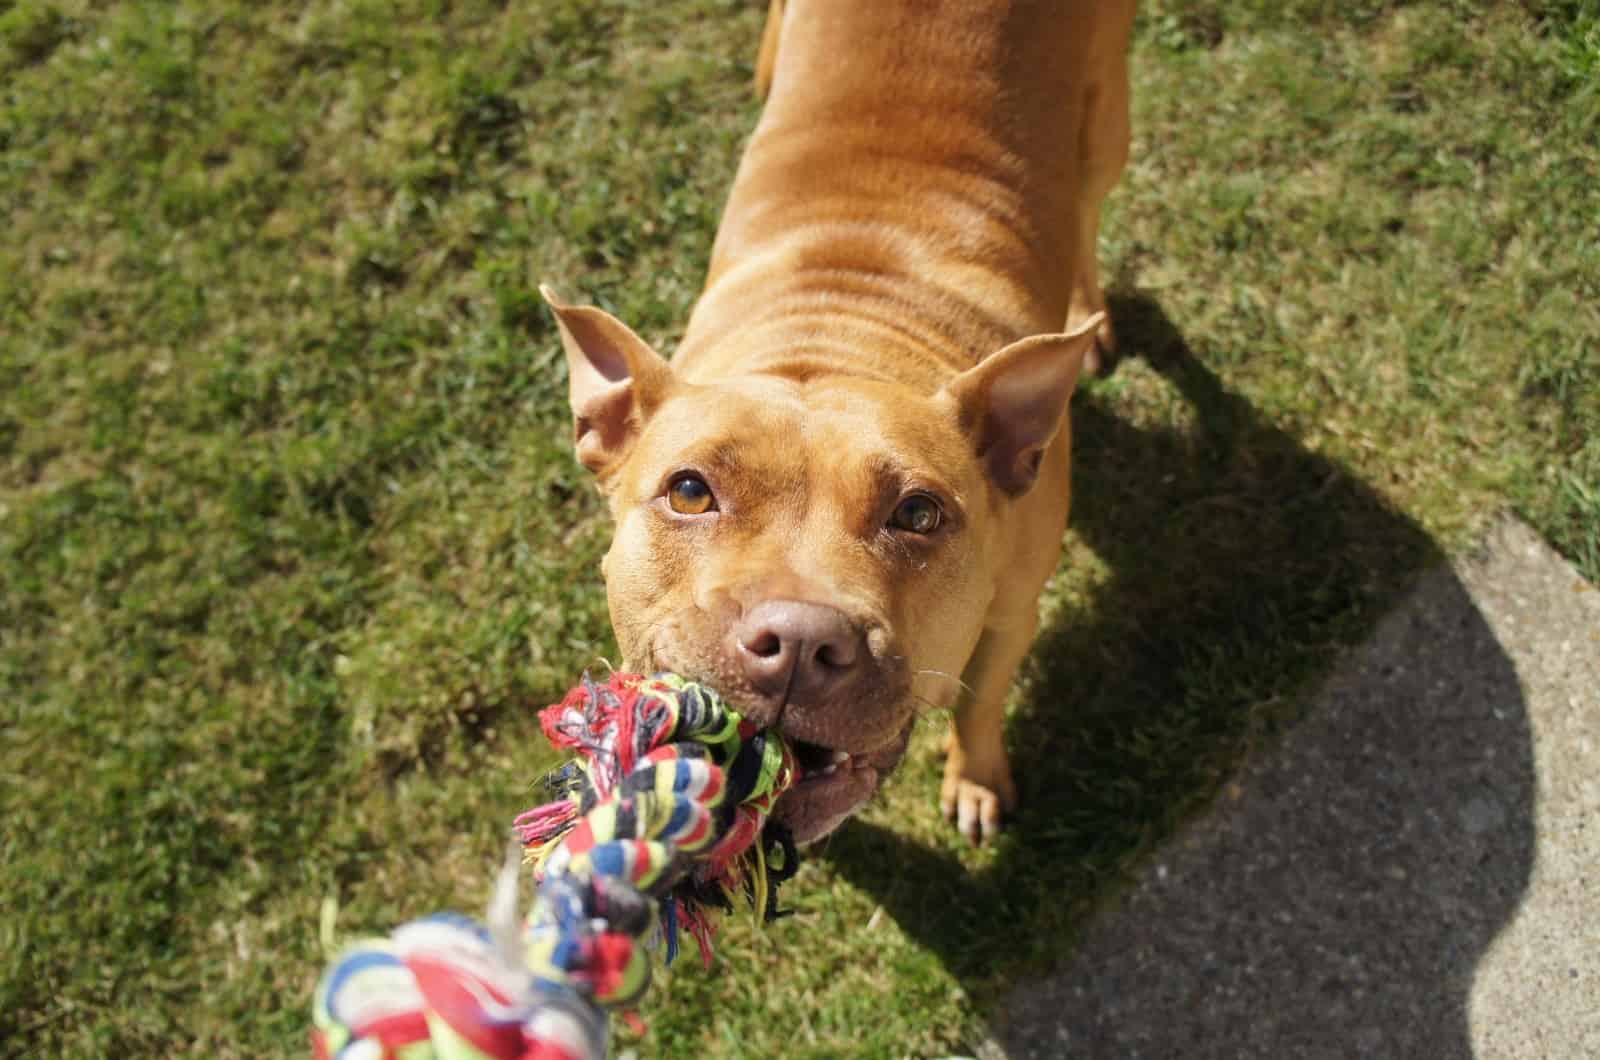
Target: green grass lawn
point(292, 545)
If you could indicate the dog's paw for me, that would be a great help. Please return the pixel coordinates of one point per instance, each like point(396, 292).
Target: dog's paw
point(975, 799)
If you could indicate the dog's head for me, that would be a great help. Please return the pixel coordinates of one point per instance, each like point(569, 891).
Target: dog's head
point(821, 551)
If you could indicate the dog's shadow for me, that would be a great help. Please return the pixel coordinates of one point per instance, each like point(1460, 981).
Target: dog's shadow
point(1238, 560)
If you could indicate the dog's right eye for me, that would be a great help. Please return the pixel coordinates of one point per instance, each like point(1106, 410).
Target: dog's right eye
point(917, 514)
point(688, 494)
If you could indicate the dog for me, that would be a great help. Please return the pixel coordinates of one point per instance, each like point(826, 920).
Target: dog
point(839, 502)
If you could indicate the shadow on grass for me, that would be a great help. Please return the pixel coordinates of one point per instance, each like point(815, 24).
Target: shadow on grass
point(1240, 563)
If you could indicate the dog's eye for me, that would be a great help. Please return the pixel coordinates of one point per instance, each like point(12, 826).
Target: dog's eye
point(917, 514)
point(689, 495)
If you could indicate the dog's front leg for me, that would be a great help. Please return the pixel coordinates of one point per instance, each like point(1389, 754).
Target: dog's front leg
point(1015, 402)
point(978, 790)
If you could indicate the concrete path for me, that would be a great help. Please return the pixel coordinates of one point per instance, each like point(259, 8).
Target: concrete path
point(1413, 872)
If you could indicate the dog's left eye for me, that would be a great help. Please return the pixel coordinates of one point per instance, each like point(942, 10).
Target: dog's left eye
point(917, 514)
point(689, 495)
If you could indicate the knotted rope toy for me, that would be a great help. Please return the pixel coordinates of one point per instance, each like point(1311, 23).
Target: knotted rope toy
point(662, 816)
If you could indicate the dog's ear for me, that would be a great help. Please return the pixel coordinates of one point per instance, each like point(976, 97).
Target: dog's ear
point(615, 380)
point(1013, 401)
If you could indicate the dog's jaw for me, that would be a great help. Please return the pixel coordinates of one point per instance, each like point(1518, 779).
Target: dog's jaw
point(824, 798)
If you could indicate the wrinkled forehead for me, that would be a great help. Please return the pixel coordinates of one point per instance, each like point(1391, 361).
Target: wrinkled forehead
point(774, 426)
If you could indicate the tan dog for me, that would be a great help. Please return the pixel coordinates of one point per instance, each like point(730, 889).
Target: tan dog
point(839, 503)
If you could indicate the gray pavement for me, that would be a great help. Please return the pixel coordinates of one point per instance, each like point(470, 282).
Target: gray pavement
point(1414, 871)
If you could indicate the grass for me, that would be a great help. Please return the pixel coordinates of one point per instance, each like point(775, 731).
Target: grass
point(291, 542)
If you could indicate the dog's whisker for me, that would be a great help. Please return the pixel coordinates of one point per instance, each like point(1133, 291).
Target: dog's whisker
point(927, 707)
point(952, 678)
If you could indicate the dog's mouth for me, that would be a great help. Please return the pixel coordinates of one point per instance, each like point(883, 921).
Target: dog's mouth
point(834, 781)
point(833, 784)
point(817, 761)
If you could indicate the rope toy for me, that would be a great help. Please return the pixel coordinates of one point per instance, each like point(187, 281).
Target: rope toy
point(662, 816)
point(665, 758)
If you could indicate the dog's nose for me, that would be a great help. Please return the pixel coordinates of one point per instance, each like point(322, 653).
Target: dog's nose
point(794, 650)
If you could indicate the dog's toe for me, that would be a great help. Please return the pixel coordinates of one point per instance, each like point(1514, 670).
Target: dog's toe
point(977, 810)
point(976, 813)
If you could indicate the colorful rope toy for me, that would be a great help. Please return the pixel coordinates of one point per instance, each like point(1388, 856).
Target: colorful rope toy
point(662, 815)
